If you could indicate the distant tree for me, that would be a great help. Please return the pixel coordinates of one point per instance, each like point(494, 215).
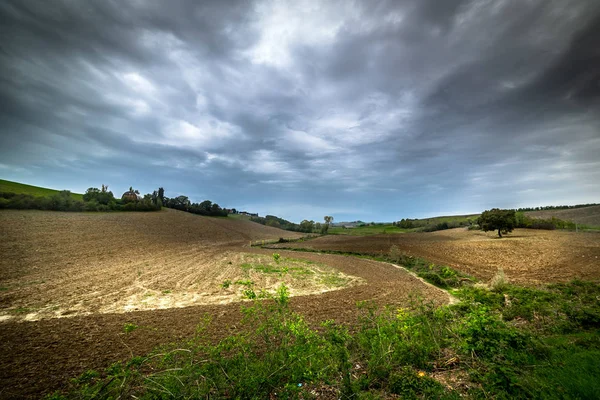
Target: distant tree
point(91, 194)
point(215, 209)
point(496, 219)
point(405, 224)
point(99, 196)
point(273, 223)
point(161, 195)
point(325, 227)
point(179, 203)
point(307, 226)
point(206, 207)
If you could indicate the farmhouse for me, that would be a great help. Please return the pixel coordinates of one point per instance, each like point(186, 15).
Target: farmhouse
point(130, 195)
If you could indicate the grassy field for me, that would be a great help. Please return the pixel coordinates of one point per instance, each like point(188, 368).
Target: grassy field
point(420, 224)
point(368, 230)
point(20, 188)
point(239, 217)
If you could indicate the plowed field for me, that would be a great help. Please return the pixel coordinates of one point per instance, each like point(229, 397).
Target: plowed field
point(527, 256)
point(71, 281)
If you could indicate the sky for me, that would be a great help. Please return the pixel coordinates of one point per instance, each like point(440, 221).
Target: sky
point(363, 110)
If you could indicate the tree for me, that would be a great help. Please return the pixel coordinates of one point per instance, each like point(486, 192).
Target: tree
point(325, 227)
point(307, 226)
point(161, 195)
point(100, 196)
point(496, 219)
point(206, 206)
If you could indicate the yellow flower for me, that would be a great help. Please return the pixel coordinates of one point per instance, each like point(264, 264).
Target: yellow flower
point(421, 374)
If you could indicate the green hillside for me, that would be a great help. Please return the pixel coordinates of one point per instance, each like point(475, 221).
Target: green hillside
point(416, 225)
point(20, 188)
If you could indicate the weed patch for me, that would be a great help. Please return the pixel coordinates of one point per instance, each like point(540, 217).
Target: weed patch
point(129, 327)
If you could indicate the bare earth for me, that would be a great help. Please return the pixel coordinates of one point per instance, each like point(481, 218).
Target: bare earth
point(527, 256)
point(70, 281)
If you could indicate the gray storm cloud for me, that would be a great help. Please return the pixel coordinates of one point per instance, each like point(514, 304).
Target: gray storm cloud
point(361, 110)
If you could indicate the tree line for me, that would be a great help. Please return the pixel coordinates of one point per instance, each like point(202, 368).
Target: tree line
point(504, 221)
point(94, 199)
point(547, 208)
point(207, 207)
point(306, 226)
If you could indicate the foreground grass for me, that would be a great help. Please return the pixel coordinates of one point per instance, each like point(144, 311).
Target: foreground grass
point(20, 188)
point(512, 342)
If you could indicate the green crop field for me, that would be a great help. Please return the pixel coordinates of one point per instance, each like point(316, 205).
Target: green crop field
point(20, 188)
point(368, 230)
point(418, 225)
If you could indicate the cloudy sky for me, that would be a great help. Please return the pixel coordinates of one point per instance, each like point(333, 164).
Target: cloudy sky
point(361, 110)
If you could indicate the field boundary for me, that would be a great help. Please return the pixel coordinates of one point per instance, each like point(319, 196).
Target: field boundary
point(451, 298)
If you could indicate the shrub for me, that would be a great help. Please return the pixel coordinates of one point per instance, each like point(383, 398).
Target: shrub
point(499, 282)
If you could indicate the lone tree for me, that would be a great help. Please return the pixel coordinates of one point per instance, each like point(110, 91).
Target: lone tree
point(496, 219)
point(325, 227)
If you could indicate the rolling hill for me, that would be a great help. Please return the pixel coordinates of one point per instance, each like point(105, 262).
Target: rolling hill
point(584, 215)
point(21, 188)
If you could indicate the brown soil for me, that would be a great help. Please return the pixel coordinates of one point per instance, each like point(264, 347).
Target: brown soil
point(61, 264)
point(527, 256)
point(90, 267)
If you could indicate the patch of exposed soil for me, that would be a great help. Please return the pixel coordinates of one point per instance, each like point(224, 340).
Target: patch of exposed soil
point(64, 264)
point(527, 256)
point(97, 260)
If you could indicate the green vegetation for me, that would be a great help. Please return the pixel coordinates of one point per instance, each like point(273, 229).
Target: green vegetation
point(295, 269)
point(226, 284)
point(525, 221)
point(368, 229)
point(129, 327)
point(437, 223)
point(325, 227)
point(305, 226)
point(20, 188)
point(405, 225)
point(441, 276)
point(207, 207)
point(25, 197)
point(21, 310)
point(276, 222)
point(503, 221)
point(510, 344)
point(548, 208)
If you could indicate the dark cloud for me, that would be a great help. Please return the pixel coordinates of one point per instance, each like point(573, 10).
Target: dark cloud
point(370, 110)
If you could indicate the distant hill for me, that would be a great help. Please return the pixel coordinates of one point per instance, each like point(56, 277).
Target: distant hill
point(584, 215)
point(20, 188)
